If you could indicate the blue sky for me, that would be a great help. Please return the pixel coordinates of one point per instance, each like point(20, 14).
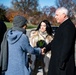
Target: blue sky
point(41, 2)
point(47, 3)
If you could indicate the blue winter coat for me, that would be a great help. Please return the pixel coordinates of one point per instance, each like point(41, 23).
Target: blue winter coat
point(18, 47)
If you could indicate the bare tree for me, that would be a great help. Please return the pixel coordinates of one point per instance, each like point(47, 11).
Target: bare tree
point(3, 10)
point(25, 6)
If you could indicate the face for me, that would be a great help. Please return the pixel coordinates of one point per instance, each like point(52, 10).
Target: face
point(59, 16)
point(43, 27)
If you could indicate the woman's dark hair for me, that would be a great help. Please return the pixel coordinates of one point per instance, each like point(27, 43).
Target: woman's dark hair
point(48, 26)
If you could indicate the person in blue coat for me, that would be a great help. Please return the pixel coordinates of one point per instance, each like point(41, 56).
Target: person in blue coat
point(17, 47)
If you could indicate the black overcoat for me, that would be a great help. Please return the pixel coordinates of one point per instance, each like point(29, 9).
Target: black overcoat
point(62, 49)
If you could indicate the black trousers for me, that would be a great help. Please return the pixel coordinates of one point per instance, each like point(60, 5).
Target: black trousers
point(39, 62)
point(1, 73)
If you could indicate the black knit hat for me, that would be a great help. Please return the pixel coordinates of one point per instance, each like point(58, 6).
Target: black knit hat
point(19, 21)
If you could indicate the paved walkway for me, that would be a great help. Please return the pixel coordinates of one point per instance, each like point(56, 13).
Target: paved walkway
point(40, 72)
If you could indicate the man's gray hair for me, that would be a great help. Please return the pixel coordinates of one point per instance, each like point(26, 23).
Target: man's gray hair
point(63, 10)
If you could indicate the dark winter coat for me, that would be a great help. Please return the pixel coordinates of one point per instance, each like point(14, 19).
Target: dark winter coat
point(3, 29)
point(62, 50)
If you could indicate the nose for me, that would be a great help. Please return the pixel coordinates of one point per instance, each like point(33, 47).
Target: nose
point(55, 16)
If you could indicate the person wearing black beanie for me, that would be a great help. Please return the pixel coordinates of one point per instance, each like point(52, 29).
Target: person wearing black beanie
point(19, 21)
point(14, 49)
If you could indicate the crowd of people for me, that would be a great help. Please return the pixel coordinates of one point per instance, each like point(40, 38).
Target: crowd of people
point(15, 45)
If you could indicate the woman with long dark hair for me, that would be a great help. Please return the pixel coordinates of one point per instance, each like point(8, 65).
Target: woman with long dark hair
point(39, 38)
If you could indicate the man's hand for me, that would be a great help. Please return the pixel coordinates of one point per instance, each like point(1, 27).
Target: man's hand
point(43, 51)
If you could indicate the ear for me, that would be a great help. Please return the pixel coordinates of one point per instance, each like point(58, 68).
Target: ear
point(25, 26)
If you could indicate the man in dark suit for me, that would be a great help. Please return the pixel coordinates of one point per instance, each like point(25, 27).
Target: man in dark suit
point(62, 47)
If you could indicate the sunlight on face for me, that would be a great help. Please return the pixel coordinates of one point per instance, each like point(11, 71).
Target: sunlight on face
point(59, 16)
point(43, 27)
